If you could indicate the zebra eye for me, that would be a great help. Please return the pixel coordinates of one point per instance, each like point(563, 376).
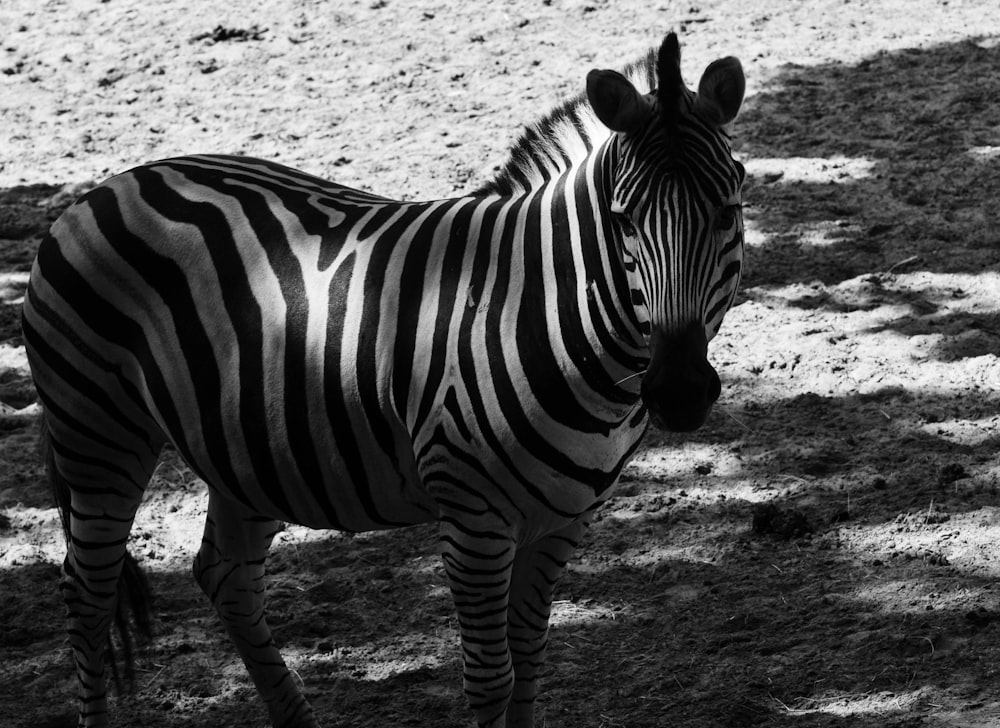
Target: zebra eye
point(727, 217)
point(625, 223)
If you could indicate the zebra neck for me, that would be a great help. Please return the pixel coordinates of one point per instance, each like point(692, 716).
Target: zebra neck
point(574, 299)
point(612, 272)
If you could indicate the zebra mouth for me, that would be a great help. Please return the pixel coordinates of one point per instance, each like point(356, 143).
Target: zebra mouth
point(686, 409)
point(675, 421)
point(680, 386)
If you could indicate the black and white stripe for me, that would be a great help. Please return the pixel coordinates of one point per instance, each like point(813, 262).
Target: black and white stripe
point(340, 360)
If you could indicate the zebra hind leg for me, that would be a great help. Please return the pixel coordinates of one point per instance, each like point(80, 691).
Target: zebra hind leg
point(537, 568)
point(102, 585)
point(229, 567)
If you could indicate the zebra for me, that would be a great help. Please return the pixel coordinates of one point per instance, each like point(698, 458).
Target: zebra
point(332, 358)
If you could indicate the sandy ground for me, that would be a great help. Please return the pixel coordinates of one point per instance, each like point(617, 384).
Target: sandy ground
point(822, 553)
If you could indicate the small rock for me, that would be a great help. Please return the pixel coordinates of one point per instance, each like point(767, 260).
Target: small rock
point(950, 473)
point(786, 523)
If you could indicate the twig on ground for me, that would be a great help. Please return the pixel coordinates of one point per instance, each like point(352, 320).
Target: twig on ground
point(901, 263)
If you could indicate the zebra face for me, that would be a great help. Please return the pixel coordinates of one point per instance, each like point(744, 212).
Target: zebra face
point(688, 249)
point(676, 199)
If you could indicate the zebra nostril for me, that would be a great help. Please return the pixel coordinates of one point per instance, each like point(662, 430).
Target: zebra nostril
point(679, 395)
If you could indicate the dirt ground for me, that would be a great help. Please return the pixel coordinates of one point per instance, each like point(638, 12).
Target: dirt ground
point(823, 553)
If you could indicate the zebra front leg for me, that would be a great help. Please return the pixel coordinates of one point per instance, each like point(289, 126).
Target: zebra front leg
point(478, 560)
point(229, 568)
point(537, 568)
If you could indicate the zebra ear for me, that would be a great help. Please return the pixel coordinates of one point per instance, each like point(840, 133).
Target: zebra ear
point(720, 91)
point(617, 103)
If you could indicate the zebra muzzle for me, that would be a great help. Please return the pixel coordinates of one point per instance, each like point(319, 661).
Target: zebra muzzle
point(680, 386)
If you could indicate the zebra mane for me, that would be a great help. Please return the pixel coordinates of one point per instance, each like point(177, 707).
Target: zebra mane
point(558, 140)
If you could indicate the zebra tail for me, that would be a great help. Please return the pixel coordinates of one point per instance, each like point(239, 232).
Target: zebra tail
point(133, 618)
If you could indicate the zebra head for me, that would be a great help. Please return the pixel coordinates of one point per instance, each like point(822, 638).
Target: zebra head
point(675, 200)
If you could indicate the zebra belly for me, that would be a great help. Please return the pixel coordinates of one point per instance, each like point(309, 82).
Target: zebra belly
point(387, 502)
point(301, 468)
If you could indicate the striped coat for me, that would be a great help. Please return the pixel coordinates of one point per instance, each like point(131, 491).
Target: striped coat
point(336, 359)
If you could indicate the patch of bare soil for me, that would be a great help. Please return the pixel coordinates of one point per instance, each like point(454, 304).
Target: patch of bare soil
point(822, 553)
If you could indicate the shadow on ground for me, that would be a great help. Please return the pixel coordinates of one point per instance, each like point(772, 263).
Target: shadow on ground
point(925, 125)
